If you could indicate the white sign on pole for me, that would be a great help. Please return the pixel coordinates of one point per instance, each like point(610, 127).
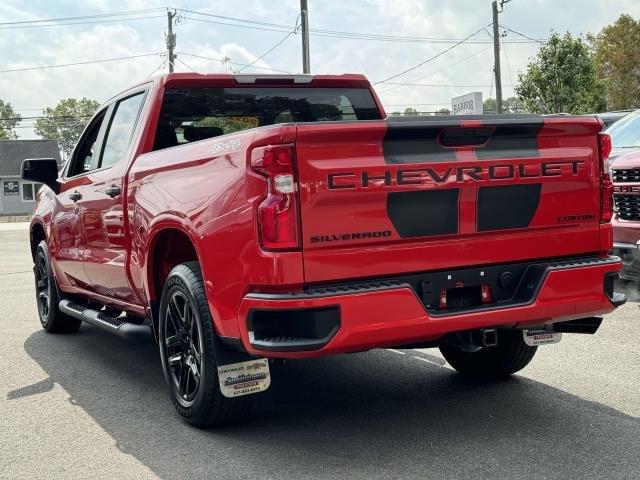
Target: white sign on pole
point(469, 104)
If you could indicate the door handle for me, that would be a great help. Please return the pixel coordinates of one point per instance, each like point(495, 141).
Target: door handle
point(75, 196)
point(112, 191)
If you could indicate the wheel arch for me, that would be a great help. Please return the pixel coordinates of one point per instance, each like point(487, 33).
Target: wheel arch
point(37, 233)
point(169, 245)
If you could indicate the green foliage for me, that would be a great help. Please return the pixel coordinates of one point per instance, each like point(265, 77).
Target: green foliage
point(65, 122)
point(228, 124)
point(513, 105)
point(443, 111)
point(410, 111)
point(490, 106)
point(9, 119)
point(561, 78)
point(616, 52)
point(509, 105)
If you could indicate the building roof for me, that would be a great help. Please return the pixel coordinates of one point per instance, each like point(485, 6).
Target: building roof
point(13, 152)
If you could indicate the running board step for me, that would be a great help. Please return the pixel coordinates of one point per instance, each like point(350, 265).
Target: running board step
point(105, 322)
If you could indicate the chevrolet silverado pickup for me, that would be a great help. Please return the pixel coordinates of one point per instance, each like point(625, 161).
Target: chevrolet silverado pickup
point(243, 218)
point(624, 163)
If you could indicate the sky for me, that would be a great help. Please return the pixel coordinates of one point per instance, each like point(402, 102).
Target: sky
point(465, 68)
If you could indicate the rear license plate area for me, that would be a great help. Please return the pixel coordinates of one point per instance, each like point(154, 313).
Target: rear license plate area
point(462, 297)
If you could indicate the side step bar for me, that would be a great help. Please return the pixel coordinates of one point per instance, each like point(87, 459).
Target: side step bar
point(103, 321)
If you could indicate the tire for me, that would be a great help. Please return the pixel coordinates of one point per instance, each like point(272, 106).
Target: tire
point(188, 343)
point(509, 356)
point(47, 297)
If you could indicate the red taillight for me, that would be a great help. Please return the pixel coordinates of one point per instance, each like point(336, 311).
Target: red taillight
point(278, 212)
point(606, 185)
point(605, 145)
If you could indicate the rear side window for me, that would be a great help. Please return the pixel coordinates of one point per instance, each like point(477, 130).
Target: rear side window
point(121, 129)
point(193, 114)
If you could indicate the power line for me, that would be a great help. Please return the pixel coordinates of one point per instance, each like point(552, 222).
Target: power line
point(347, 35)
point(235, 19)
point(81, 23)
point(536, 40)
point(159, 67)
point(240, 26)
point(233, 63)
point(442, 85)
point(292, 32)
point(416, 40)
point(439, 70)
point(255, 24)
point(84, 17)
point(431, 58)
point(189, 67)
point(60, 117)
point(506, 57)
point(79, 63)
point(413, 104)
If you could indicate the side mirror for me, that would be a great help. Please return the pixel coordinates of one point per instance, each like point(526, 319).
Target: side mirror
point(41, 170)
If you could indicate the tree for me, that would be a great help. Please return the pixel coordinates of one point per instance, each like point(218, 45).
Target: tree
point(561, 78)
point(509, 105)
point(9, 119)
point(65, 122)
point(513, 105)
point(490, 106)
point(410, 111)
point(443, 111)
point(616, 52)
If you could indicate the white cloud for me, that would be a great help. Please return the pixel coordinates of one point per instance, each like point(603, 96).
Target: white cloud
point(377, 59)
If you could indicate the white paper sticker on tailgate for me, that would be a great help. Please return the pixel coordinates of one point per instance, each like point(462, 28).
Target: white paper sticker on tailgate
point(244, 378)
point(533, 338)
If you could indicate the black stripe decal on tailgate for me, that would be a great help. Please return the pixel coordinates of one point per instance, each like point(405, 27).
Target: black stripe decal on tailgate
point(415, 141)
point(508, 206)
point(512, 141)
point(423, 213)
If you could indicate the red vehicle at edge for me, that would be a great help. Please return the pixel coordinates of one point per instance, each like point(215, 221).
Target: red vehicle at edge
point(249, 217)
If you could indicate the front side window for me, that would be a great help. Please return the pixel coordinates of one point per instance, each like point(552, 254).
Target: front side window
point(121, 129)
point(83, 155)
point(192, 114)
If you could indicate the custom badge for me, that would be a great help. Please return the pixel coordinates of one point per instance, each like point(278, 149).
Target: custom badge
point(244, 378)
point(533, 338)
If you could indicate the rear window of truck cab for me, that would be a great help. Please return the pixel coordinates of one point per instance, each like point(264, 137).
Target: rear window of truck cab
point(193, 114)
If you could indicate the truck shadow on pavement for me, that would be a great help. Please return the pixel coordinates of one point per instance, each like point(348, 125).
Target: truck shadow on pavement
point(368, 415)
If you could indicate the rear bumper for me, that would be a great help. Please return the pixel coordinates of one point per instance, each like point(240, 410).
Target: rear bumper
point(630, 255)
point(386, 313)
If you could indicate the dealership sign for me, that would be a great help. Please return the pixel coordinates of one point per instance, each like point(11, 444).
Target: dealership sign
point(469, 104)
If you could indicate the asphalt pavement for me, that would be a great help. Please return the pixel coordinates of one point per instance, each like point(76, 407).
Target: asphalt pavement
point(90, 405)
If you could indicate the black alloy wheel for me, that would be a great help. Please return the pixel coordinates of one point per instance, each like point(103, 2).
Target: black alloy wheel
point(42, 287)
point(183, 347)
point(47, 296)
point(188, 346)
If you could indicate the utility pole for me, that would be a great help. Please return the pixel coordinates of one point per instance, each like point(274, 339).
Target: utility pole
point(170, 38)
point(304, 20)
point(496, 55)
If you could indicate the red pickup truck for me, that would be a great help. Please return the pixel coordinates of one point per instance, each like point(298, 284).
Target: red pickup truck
point(244, 218)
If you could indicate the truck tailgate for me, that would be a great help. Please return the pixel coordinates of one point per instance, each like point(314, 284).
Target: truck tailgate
point(415, 194)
